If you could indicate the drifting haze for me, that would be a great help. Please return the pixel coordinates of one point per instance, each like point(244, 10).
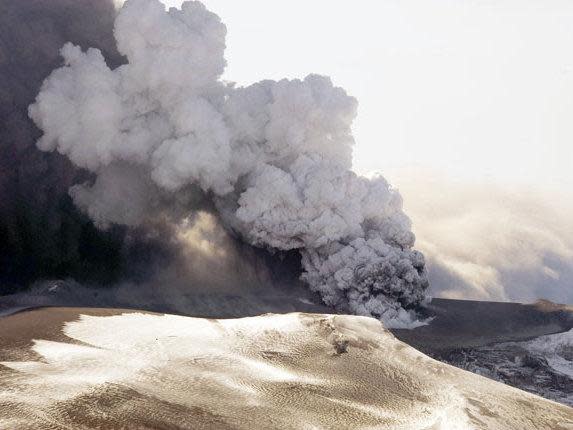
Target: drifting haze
point(490, 242)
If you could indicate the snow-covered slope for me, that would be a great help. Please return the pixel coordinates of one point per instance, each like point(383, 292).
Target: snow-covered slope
point(557, 349)
point(141, 370)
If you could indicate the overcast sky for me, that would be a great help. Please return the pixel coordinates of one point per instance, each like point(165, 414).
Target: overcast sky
point(479, 89)
point(465, 105)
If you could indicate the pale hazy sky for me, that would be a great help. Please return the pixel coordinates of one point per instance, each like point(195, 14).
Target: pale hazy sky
point(465, 105)
point(481, 90)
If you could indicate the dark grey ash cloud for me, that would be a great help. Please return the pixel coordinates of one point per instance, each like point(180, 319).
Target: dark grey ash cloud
point(42, 234)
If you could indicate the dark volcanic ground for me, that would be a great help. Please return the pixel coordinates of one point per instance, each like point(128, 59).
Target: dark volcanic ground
point(468, 323)
point(525, 346)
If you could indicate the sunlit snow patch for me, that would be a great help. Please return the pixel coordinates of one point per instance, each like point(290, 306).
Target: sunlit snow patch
point(285, 371)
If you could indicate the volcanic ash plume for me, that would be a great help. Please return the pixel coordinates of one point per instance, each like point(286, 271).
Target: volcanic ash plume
point(273, 157)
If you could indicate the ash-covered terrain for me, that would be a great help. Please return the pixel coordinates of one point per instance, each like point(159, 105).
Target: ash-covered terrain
point(543, 366)
point(528, 346)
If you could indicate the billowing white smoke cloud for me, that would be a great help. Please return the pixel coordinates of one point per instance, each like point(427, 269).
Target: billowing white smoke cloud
point(274, 157)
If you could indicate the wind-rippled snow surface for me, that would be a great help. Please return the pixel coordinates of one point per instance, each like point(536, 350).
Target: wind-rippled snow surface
point(290, 371)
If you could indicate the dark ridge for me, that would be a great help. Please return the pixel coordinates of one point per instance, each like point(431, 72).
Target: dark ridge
point(468, 323)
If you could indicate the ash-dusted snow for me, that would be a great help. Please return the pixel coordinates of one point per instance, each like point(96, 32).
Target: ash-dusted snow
point(543, 366)
point(271, 371)
point(557, 349)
